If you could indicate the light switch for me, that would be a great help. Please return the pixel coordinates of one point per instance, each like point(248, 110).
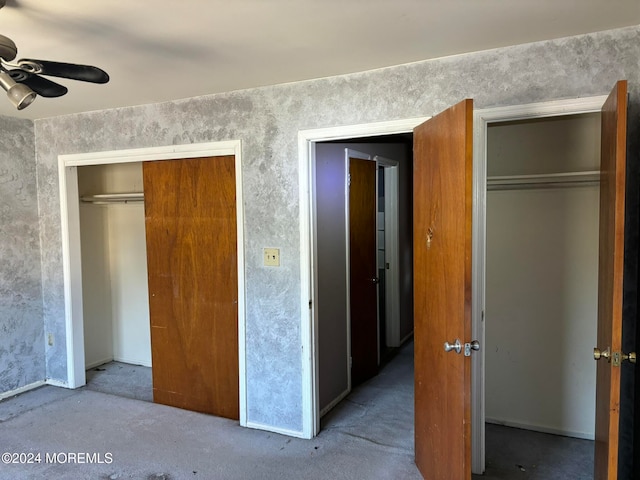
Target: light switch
point(272, 257)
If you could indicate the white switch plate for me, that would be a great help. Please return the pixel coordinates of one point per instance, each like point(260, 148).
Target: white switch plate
point(272, 257)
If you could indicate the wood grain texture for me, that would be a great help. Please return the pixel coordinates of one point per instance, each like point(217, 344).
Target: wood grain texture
point(442, 175)
point(610, 279)
point(362, 269)
point(190, 220)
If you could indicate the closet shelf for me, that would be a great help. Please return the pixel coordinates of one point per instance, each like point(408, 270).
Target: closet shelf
point(548, 180)
point(107, 198)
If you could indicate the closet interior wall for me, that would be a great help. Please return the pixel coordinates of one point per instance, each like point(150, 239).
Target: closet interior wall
point(114, 267)
point(541, 276)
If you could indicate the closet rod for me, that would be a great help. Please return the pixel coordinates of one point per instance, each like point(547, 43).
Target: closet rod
point(106, 198)
point(548, 180)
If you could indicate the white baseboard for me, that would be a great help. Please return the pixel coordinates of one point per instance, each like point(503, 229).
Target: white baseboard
point(56, 383)
point(334, 402)
point(97, 363)
point(18, 391)
point(542, 429)
point(406, 338)
point(133, 361)
point(281, 431)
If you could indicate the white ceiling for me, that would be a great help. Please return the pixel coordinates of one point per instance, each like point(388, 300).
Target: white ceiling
point(165, 50)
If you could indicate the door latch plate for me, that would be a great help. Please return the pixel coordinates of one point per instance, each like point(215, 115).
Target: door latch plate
point(616, 359)
point(475, 345)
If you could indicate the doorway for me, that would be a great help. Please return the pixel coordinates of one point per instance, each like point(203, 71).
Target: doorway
point(542, 226)
point(341, 339)
point(483, 119)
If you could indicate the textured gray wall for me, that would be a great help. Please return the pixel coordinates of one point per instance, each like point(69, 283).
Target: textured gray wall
point(21, 335)
point(267, 121)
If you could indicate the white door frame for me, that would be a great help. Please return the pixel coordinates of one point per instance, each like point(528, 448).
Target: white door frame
point(391, 250)
point(71, 258)
point(481, 120)
point(307, 140)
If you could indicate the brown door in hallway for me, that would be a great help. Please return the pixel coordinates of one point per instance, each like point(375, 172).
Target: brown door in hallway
point(442, 209)
point(610, 276)
point(363, 271)
point(190, 221)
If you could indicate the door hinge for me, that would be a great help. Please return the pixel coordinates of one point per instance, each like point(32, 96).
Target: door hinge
point(350, 362)
point(310, 304)
point(348, 179)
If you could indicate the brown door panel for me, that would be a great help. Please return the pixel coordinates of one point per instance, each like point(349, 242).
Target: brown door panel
point(442, 292)
point(190, 219)
point(610, 279)
point(363, 270)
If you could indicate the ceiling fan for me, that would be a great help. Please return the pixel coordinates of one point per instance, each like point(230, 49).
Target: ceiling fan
point(22, 80)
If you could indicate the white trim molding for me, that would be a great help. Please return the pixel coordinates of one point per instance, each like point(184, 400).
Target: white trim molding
point(336, 400)
point(18, 391)
point(70, 224)
point(481, 120)
point(541, 428)
point(170, 152)
point(56, 383)
point(270, 428)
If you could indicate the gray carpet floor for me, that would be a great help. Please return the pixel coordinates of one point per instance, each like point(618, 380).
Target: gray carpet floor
point(516, 454)
point(151, 441)
point(367, 436)
point(122, 379)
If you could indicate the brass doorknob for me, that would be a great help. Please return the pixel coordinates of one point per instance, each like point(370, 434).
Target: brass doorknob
point(598, 354)
point(631, 357)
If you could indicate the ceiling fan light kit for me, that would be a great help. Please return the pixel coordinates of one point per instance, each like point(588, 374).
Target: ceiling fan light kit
point(24, 81)
point(19, 94)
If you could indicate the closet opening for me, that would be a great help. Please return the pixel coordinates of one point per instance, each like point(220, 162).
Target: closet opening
point(542, 217)
point(196, 169)
point(117, 339)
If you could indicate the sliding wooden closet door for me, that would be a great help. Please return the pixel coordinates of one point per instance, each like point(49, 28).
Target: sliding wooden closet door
point(190, 219)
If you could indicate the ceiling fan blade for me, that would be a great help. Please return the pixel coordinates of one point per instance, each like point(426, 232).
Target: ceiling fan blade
point(84, 73)
point(42, 86)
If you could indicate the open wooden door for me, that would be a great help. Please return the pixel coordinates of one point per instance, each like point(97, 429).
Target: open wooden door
point(610, 279)
point(190, 220)
point(442, 209)
point(363, 269)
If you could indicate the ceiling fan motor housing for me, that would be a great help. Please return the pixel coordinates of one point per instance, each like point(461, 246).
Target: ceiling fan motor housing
point(8, 49)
